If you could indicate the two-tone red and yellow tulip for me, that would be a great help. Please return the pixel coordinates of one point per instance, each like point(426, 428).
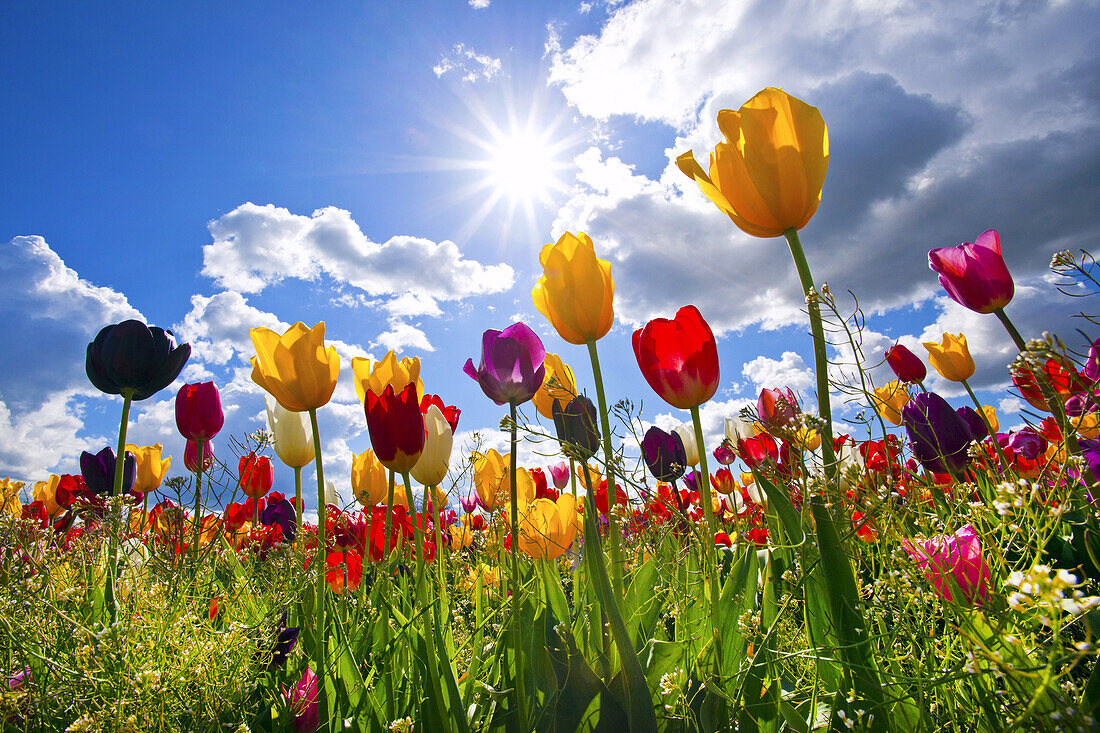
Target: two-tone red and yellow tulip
point(679, 358)
point(396, 427)
point(296, 368)
point(975, 274)
point(390, 371)
point(768, 173)
point(576, 290)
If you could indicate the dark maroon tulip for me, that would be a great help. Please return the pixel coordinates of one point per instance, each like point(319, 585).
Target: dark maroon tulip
point(974, 422)
point(907, 366)
point(98, 471)
point(199, 413)
point(938, 435)
point(975, 274)
point(575, 424)
point(664, 454)
point(511, 368)
point(131, 356)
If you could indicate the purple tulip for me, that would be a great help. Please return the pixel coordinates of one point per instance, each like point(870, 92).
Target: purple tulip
point(975, 274)
point(469, 503)
point(1026, 442)
point(691, 481)
point(776, 408)
point(284, 642)
point(724, 454)
point(447, 517)
point(131, 356)
point(664, 454)
point(1090, 449)
point(302, 701)
point(970, 416)
point(560, 475)
point(98, 471)
point(1092, 366)
point(938, 435)
point(511, 369)
point(280, 513)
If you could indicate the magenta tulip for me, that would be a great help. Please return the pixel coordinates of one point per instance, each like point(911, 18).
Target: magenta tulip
point(199, 413)
point(975, 274)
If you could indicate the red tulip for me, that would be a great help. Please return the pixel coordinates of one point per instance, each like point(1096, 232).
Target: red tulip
point(776, 408)
point(396, 428)
point(906, 365)
point(191, 456)
point(199, 413)
point(757, 449)
point(679, 358)
point(256, 475)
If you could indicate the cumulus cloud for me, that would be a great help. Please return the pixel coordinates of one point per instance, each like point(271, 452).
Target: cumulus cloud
point(479, 4)
point(790, 371)
point(468, 64)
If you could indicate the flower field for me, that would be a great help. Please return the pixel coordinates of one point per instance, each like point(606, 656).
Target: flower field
point(936, 571)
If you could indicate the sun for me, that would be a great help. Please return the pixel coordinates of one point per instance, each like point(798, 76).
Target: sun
point(522, 166)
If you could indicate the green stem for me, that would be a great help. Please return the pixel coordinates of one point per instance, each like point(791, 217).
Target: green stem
point(1011, 328)
point(320, 657)
point(389, 518)
point(112, 541)
point(609, 456)
point(709, 552)
point(517, 637)
point(200, 462)
point(821, 360)
point(1005, 465)
point(298, 502)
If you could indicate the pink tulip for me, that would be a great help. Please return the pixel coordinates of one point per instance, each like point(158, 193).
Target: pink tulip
point(959, 554)
point(975, 274)
point(302, 701)
point(560, 475)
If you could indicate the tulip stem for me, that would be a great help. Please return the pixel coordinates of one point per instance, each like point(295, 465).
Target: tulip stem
point(708, 506)
point(821, 359)
point(1057, 407)
point(320, 658)
point(112, 544)
point(517, 637)
point(1005, 465)
point(298, 502)
point(609, 457)
point(200, 462)
point(389, 518)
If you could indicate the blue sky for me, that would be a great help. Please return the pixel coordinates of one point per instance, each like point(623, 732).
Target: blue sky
point(393, 169)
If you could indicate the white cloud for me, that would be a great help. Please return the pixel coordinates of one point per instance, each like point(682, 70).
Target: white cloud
point(479, 4)
point(468, 64)
point(788, 372)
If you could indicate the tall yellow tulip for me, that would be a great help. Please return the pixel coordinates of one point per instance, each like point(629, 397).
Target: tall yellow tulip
point(369, 482)
point(563, 389)
point(991, 418)
point(151, 469)
point(9, 497)
point(951, 357)
point(392, 371)
point(576, 290)
point(889, 399)
point(489, 478)
point(295, 368)
point(767, 175)
point(547, 528)
point(46, 492)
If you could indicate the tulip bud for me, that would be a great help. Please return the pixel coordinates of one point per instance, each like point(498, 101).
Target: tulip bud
point(191, 456)
point(199, 413)
point(575, 424)
point(664, 454)
point(907, 366)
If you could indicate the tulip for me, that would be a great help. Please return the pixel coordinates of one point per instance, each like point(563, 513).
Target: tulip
point(280, 513)
point(199, 414)
point(557, 386)
point(391, 371)
point(431, 468)
point(98, 471)
point(991, 418)
point(396, 427)
point(889, 400)
point(768, 173)
point(687, 437)
point(575, 424)
point(939, 437)
point(511, 369)
point(906, 365)
point(293, 436)
point(256, 475)
point(450, 412)
point(469, 503)
point(664, 454)
point(974, 423)
point(369, 482)
point(576, 290)
point(9, 496)
point(1092, 366)
point(679, 358)
point(724, 454)
point(958, 555)
point(560, 475)
point(975, 275)
point(724, 482)
point(489, 478)
point(136, 358)
point(191, 456)
point(295, 368)
point(46, 493)
point(302, 702)
point(758, 449)
point(951, 357)
point(151, 470)
point(547, 528)
point(776, 408)
point(332, 496)
point(739, 428)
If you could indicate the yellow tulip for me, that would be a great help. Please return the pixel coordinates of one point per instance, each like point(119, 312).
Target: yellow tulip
point(806, 439)
point(889, 399)
point(46, 492)
point(576, 290)
point(461, 537)
point(489, 477)
point(991, 418)
point(295, 368)
point(768, 173)
point(563, 389)
point(547, 528)
point(400, 496)
point(951, 357)
point(369, 481)
point(151, 470)
point(389, 371)
point(594, 476)
point(9, 497)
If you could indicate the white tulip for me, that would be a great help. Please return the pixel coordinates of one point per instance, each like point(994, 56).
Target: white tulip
point(432, 466)
point(686, 431)
point(293, 434)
